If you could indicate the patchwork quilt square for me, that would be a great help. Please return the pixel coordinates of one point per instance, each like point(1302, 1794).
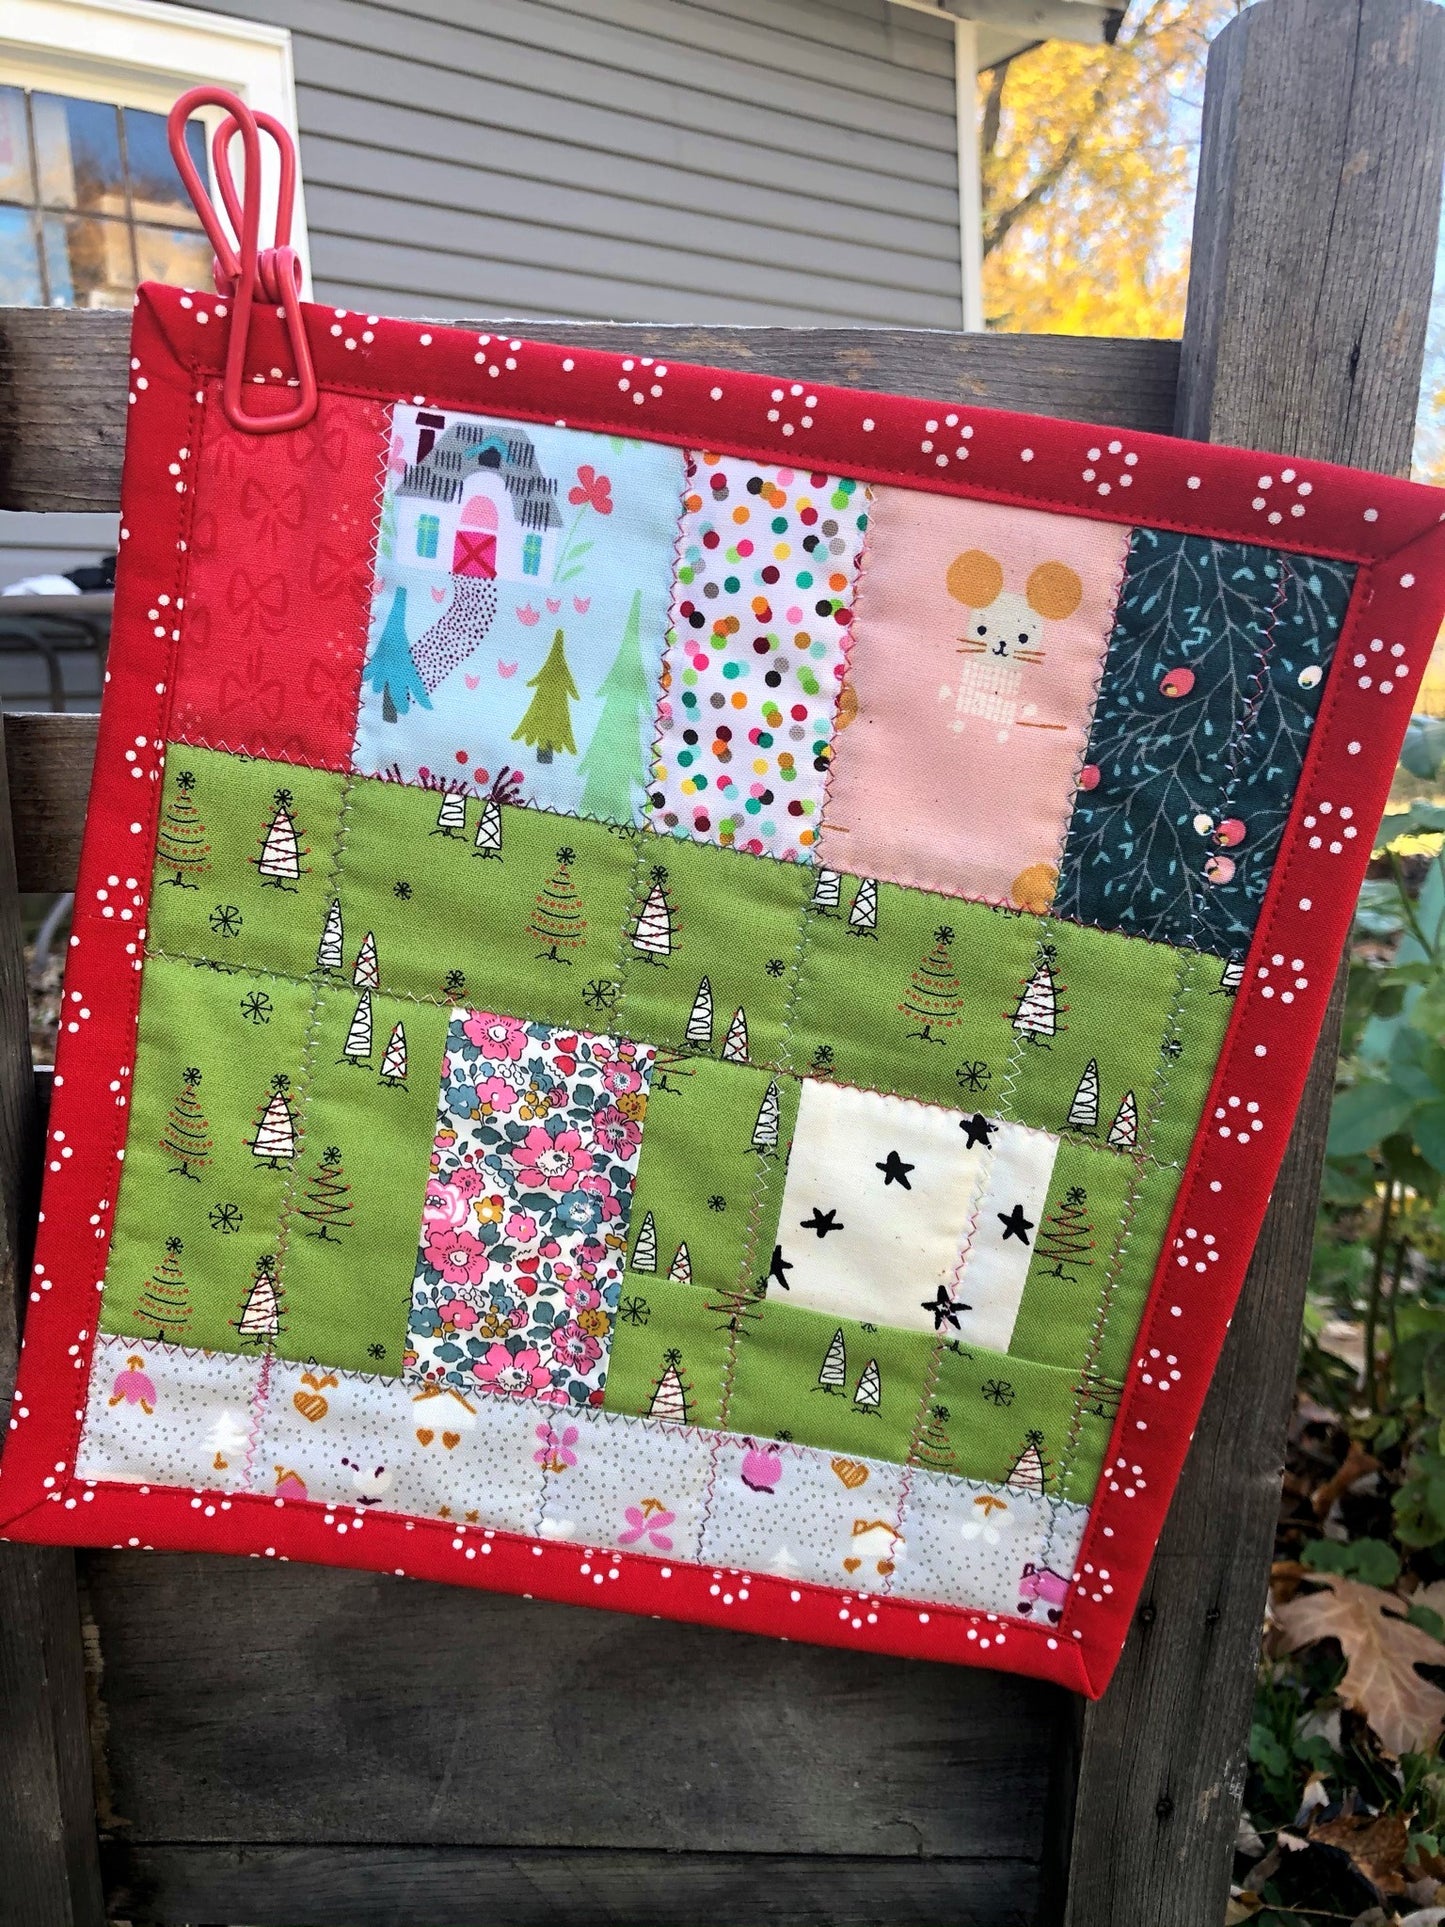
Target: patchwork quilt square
point(686, 991)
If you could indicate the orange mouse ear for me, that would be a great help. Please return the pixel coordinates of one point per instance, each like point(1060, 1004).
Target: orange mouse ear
point(974, 578)
point(1054, 591)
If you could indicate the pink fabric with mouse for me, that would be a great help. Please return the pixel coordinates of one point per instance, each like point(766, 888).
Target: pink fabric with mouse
point(1005, 613)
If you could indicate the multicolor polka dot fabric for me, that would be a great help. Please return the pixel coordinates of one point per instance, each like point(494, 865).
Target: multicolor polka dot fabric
point(767, 560)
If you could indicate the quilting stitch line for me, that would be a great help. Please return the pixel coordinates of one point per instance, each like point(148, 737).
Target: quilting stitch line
point(1114, 1271)
point(266, 974)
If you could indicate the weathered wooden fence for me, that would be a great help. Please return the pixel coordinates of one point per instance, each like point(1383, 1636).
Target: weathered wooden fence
point(191, 1739)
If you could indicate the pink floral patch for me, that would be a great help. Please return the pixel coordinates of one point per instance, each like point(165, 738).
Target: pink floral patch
point(503, 1039)
point(524, 1227)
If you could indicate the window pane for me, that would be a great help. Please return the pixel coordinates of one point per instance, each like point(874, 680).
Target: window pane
point(15, 178)
point(89, 262)
point(57, 261)
point(19, 264)
point(178, 255)
point(156, 192)
point(78, 149)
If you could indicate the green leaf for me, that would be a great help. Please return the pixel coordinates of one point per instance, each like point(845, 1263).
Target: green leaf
point(1428, 1620)
point(1423, 750)
point(1348, 1181)
point(1371, 1561)
point(1365, 1114)
point(1421, 819)
point(1267, 1751)
point(1429, 1128)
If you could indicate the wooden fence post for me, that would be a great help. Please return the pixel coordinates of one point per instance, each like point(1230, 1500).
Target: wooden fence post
point(1314, 248)
point(49, 1858)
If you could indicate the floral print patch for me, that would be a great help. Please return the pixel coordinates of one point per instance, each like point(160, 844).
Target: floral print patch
point(756, 657)
point(524, 1229)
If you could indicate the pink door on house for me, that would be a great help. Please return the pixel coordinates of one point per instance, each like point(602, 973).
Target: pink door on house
point(474, 552)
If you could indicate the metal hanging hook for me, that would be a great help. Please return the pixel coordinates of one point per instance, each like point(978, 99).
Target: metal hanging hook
point(273, 274)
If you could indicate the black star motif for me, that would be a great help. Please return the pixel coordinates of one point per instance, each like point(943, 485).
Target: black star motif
point(895, 1171)
point(1015, 1224)
point(945, 1309)
point(780, 1267)
point(775, 966)
point(822, 1222)
point(979, 1130)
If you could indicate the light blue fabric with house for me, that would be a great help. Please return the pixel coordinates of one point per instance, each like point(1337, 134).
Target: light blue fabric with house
point(519, 611)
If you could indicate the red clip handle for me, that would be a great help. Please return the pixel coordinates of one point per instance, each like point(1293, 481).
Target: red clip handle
point(274, 273)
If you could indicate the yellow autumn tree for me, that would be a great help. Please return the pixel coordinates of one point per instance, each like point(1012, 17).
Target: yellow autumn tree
point(1088, 157)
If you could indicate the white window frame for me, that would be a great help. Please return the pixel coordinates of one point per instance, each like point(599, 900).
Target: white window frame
point(142, 53)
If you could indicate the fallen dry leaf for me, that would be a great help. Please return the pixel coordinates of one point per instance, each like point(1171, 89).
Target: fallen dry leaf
point(1376, 1843)
point(1286, 1576)
point(1382, 1649)
point(1432, 1596)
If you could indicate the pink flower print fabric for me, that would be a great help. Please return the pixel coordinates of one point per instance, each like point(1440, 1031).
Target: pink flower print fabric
point(756, 656)
point(525, 1220)
point(978, 644)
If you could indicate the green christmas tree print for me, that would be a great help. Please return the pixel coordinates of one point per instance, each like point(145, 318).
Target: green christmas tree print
point(1036, 1015)
point(933, 1448)
point(547, 725)
point(165, 1301)
point(181, 845)
point(390, 670)
point(275, 1140)
point(187, 1135)
point(279, 863)
point(261, 1309)
point(615, 764)
point(934, 996)
point(1066, 1239)
point(652, 933)
point(557, 918)
point(671, 1392)
point(328, 1198)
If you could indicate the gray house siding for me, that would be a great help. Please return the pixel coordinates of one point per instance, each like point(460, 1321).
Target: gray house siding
point(744, 161)
point(747, 161)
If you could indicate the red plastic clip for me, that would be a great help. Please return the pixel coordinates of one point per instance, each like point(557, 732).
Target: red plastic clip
point(274, 273)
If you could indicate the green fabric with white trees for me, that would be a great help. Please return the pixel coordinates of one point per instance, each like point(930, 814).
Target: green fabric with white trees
point(310, 935)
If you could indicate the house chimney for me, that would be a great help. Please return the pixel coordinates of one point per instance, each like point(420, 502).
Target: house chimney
point(428, 427)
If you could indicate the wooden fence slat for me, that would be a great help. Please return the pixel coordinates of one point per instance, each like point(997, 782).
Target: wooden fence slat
point(686, 1755)
point(1314, 242)
point(64, 377)
point(331, 1886)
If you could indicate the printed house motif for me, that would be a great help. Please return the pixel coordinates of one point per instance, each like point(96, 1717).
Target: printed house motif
point(690, 1052)
point(475, 503)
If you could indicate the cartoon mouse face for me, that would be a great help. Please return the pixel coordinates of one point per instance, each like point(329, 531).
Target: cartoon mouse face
point(1002, 623)
point(1003, 640)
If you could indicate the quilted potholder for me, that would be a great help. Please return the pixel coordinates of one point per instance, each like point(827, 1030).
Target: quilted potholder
point(686, 990)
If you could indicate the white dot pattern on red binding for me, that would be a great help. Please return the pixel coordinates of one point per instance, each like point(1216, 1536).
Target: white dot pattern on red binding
point(642, 380)
point(792, 408)
point(1110, 465)
point(1272, 499)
